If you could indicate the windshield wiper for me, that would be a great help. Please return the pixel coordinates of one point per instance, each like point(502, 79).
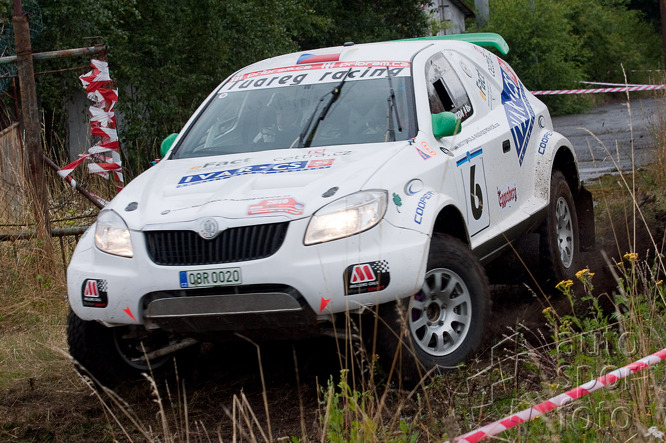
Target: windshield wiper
point(307, 134)
point(392, 108)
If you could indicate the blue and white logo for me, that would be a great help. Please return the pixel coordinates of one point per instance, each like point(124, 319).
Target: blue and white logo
point(519, 113)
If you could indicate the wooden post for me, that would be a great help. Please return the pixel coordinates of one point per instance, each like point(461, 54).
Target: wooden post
point(30, 118)
point(662, 6)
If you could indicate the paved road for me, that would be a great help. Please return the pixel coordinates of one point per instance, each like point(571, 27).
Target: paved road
point(614, 128)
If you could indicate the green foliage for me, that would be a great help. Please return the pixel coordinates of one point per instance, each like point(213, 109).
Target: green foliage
point(555, 44)
point(349, 416)
point(361, 22)
point(166, 57)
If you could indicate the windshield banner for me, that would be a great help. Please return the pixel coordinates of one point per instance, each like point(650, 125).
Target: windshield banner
point(316, 73)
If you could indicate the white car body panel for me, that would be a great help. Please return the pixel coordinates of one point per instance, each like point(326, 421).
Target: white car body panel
point(494, 189)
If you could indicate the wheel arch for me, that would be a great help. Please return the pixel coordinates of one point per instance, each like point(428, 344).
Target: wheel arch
point(451, 221)
point(565, 162)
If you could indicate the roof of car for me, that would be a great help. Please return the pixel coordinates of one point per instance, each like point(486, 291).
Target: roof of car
point(396, 50)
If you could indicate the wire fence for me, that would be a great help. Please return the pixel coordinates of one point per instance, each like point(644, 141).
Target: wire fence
point(70, 213)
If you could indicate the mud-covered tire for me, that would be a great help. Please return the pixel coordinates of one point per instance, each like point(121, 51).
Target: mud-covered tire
point(559, 244)
point(110, 355)
point(442, 324)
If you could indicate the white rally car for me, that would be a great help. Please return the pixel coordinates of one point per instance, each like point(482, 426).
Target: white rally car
point(377, 177)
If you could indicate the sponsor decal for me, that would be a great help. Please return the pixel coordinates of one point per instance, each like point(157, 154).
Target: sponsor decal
point(288, 205)
point(473, 177)
point(414, 186)
point(491, 66)
point(93, 293)
point(327, 163)
point(367, 277)
point(426, 148)
point(480, 50)
point(312, 58)
point(315, 153)
point(420, 207)
point(479, 134)
point(469, 156)
point(464, 111)
point(488, 58)
point(323, 303)
point(508, 196)
point(272, 168)
point(481, 84)
point(312, 73)
point(221, 164)
point(544, 142)
point(519, 112)
point(128, 311)
point(397, 200)
point(423, 155)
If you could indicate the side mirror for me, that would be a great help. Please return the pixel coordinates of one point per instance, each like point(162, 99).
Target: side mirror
point(445, 124)
point(166, 144)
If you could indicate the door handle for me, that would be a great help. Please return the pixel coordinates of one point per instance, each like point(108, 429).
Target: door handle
point(506, 146)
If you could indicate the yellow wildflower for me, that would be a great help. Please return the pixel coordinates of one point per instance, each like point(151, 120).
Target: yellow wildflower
point(564, 285)
point(584, 274)
point(631, 256)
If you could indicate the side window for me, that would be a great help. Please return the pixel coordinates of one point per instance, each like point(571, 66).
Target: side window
point(445, 90)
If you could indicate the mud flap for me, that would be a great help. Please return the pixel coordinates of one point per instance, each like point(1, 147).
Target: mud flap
point(585, 214)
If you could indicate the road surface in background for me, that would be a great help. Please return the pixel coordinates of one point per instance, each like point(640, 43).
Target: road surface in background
point(614, 125)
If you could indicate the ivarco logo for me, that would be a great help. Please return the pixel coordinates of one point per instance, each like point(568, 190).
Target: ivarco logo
point(367, 277)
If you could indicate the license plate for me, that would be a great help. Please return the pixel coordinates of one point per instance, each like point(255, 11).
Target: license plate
point(202, 278)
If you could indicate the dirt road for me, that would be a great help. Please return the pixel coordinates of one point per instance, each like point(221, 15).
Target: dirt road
point(603, 136)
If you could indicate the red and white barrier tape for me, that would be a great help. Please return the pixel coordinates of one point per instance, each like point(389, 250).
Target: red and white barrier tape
point(560, 400)
point(103, 125)
point(599, 90)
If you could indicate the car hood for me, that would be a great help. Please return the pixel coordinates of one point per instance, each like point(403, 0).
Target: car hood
point(281, 184)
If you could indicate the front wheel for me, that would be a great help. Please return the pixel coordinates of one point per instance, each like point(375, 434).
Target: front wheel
point(443, 323)
point(112, 355)
point(559, 242)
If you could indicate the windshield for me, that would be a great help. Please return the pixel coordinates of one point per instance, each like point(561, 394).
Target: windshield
point(245, 116)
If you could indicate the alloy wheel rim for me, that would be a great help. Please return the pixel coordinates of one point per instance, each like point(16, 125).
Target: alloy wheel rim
point(564, 231)
point(441, 313)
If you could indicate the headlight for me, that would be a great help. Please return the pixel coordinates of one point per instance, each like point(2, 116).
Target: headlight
point(347, 216)
point(112, 235)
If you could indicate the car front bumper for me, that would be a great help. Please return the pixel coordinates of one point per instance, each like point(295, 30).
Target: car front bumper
point(296, 287)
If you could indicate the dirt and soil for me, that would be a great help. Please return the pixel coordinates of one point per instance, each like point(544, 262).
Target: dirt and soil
point(59, 406)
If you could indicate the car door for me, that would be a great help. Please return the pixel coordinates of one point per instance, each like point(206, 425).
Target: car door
point(480, 150)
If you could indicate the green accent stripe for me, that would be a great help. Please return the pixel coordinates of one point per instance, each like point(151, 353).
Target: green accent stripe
point(485, 39)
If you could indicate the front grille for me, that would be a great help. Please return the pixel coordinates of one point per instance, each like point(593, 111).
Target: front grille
point(186, 248)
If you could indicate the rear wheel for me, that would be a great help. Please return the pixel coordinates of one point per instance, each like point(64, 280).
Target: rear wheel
point(559, 242)
point(442, 324)
point(113, 355)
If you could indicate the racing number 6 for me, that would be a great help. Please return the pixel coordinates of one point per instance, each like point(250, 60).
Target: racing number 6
point(472, 173)
point(476, 194)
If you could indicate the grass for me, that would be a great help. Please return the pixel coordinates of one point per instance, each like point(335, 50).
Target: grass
point(611, 315)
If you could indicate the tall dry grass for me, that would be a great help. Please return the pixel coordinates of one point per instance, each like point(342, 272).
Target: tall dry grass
point(590, 330)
